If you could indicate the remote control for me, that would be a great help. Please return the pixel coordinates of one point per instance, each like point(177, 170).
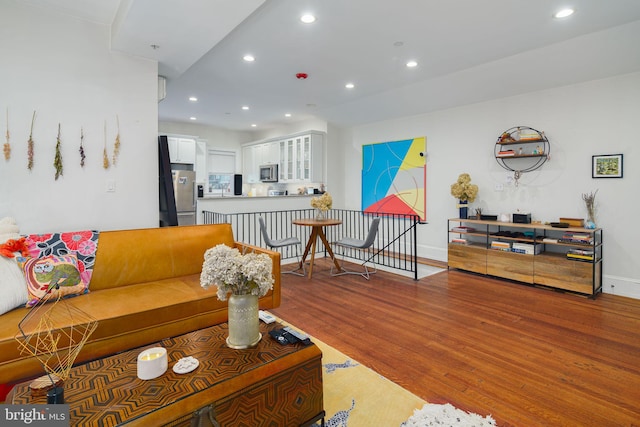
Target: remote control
point(289, 337)
point(266, 317)
point(278, 336)
point(304, 338)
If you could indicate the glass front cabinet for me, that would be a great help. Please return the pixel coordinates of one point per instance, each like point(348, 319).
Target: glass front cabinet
point(301, 158)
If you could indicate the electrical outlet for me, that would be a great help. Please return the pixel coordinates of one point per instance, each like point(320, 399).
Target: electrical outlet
point(110, 186)
point(498, 187)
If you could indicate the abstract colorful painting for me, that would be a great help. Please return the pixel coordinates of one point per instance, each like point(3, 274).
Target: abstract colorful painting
point(394, 176)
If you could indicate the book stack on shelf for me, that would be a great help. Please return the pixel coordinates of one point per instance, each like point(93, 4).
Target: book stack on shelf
point(526, 248)
point(580, 255)
point(580, 238)
point(501, 246)
point(463, 229)
point(460, 241)
point(529, 136)
point(506, 153)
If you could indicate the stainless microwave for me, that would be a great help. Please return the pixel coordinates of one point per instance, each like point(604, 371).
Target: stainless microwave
point(269, 173)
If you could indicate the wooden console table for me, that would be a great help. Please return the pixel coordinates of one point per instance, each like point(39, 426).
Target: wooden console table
point(470, 248)
point(271, 384)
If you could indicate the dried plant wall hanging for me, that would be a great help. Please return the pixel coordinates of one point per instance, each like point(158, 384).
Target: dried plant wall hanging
point(116, 145)
point(30, 144)
point(57, 161)
point(82, 155)
point(7, 145)
point(105, 156)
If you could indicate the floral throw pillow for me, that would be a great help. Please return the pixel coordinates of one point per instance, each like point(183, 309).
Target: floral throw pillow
point(82, 244)
point(52, 277)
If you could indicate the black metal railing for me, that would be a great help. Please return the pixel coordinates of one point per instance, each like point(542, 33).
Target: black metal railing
point(395, 245)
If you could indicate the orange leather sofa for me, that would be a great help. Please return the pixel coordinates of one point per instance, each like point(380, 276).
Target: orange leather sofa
point(145, 287)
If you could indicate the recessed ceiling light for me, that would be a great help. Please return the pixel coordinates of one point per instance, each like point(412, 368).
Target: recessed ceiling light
point(192, 118)
point(564, 13)
point(249, 58)
point(193, 99)
point(244, 107)
point(349, 85)
point(412, 64)
point(308, 18)
point(287, 114)
point(253, 125)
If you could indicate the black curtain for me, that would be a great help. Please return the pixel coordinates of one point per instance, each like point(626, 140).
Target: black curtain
point(168, 213)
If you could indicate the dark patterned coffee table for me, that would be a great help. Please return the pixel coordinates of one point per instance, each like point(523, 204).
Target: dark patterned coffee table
point(269, 385)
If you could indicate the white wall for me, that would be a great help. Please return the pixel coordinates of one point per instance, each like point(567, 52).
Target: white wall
point(62, 68)
point(598, 117)
point(338, 165)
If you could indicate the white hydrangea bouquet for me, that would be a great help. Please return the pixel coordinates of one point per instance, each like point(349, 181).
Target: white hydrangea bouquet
point(323, 202)
point(235, 273)
point(463, 189)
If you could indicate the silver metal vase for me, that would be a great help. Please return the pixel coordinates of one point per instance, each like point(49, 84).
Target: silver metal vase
point(244, 325)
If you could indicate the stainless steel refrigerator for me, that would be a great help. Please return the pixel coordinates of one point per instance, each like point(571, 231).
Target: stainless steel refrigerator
point(184, 189)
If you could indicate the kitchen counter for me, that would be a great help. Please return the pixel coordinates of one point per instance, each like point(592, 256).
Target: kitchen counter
point(243, 204)
point(217, 197)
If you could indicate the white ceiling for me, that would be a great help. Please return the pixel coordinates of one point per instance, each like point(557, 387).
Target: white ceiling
point(467, 50)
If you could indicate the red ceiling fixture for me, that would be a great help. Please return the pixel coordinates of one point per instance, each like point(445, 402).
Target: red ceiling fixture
point(302, 76)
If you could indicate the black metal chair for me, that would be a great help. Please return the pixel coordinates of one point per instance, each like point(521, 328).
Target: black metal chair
point(282, 243)
point(351, 243)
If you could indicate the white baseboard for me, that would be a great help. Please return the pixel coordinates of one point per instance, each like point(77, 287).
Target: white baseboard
point(431, 252)
point(621, 286)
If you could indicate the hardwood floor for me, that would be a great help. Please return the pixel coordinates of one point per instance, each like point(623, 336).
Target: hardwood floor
point(527, 356)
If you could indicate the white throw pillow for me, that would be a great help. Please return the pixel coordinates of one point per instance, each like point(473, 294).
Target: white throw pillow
point(13, 286)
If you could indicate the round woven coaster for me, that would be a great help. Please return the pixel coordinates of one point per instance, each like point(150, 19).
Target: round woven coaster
point(41, 385)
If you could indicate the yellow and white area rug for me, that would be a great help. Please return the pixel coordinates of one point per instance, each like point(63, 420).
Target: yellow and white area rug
point(356, 396)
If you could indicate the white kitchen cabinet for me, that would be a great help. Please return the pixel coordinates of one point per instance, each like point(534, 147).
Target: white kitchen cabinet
point(201, 160)
point(250, 170)
point(182, 150)
point(270, 153)
point(286, 165)
point(301, 158)
point(255, 155)
point(173, 148)
point(266, 153)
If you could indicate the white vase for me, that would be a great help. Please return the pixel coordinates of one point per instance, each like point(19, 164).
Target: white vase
point(244, 325)
point(320, 214)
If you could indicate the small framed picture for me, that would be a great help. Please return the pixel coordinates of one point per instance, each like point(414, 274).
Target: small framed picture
point(606, 166)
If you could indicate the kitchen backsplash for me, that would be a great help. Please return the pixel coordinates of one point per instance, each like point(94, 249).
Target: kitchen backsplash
point(262, 189)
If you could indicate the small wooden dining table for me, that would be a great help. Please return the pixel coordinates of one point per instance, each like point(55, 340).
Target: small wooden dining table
point(317, 230)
